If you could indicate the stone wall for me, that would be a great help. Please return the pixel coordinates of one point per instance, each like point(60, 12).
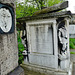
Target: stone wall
point(8, 48)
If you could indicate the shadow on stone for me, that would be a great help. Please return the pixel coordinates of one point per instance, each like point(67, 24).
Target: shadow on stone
point(18, 71)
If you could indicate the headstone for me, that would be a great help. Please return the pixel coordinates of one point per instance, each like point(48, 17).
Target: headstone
point(72, 31)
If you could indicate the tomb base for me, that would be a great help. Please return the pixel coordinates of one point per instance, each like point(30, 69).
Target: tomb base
point(46, 70)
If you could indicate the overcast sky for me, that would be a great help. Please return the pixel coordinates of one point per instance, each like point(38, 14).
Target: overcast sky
point(71, 6)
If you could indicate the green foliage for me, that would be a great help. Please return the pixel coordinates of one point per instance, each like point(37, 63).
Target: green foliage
point(53, 2)
point(72, 52)
point(72, 43)
point(20, 59)
point(28, 7)
point(20, 48)
point(25, 9)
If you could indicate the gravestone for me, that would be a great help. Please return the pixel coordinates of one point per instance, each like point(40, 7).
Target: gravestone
point(8, 37)
point(72, 31)
point(72, 27)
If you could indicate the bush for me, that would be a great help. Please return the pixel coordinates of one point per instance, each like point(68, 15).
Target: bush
point(72, 46)
point(72, 52)
point(20, 48)
point(72, 43)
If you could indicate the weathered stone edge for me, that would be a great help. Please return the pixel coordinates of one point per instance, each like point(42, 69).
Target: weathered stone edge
point(48, 15)
point(53, 8)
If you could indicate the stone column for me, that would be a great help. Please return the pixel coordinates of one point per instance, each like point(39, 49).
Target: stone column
point(8, 47)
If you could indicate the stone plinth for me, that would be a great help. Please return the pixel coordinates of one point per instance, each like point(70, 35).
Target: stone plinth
point(8, 47)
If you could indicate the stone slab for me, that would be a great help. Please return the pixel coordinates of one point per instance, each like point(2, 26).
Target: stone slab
point(44, 16)
point(47, 71)
point(53, 8)
point(41, 38)
point(43, 60)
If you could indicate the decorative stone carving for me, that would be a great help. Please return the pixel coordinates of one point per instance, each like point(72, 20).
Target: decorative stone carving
point(62, 36)
point(62, 39)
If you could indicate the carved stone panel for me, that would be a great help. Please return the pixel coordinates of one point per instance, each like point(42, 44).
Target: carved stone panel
point(41, 38)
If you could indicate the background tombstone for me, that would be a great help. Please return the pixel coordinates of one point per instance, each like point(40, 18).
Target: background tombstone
point(8, 41)
point(72, 27)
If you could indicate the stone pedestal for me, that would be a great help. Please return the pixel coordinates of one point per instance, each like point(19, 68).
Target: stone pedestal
point(8, 47)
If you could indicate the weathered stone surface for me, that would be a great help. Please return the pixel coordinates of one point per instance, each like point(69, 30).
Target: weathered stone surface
point(43, 16)
point(41, 38)
point(42, 42)
point(54, 8)
point(72, 56)
point(72, 20)
point(8, 48)
point(72, 31)
point(41, 69)
point(10, 2)
point(73, 73)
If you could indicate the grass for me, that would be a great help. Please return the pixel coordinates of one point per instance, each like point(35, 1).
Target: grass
point(72, 52)
point(72, 43)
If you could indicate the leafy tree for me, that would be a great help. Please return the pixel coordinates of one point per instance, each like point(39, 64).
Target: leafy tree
point(53, 2)
point(28, 7)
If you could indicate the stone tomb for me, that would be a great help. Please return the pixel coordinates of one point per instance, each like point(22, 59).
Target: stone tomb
point(48, 42)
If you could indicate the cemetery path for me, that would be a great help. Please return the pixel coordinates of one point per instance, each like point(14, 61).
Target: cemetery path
point(72, 50)
point(73, 72)
point(73, 60)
